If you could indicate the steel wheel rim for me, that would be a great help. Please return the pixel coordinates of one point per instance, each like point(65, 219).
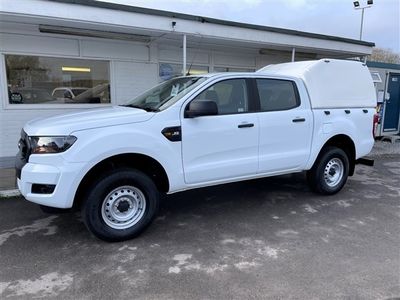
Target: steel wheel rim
point(333, 172)
point(123, 207)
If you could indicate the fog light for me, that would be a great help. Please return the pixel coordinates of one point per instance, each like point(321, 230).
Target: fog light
point(43, 188)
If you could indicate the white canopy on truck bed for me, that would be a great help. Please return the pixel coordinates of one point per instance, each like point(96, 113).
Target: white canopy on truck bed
point(331, 83)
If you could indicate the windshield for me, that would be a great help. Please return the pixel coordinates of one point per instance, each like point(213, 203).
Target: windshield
point(165, 94)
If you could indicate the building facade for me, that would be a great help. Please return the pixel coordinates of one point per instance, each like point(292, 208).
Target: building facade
point(62, 55)
point(387, 82)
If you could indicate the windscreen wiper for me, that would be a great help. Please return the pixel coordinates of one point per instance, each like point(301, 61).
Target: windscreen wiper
point(146, 108)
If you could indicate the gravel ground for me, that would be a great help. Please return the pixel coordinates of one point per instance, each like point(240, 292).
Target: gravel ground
point(386, 149)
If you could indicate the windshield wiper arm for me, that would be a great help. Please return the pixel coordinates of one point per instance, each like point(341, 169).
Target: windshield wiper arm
point(146, 108)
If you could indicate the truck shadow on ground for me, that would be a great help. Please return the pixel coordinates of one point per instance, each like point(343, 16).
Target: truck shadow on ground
point(252, 193)
point(226, 206)
point(244, 204)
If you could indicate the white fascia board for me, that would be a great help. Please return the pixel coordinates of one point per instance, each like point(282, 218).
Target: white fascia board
point(100, 17)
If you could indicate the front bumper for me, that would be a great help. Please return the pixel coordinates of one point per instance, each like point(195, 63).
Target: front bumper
point(65, 177)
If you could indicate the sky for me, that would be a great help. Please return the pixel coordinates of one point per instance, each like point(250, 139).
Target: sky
point(332, 17)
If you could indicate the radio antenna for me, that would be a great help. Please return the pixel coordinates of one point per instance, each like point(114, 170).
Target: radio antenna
point(194, 57)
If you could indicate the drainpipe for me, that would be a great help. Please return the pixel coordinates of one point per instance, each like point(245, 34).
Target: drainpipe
point(293, 53)
point(184, 55)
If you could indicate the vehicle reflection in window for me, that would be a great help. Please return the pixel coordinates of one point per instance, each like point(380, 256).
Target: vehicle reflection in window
point(56, 80)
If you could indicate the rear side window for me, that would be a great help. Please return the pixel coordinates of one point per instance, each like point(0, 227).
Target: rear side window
point(277, 94)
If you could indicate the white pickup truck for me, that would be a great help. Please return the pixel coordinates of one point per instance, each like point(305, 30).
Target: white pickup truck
point(197, 131)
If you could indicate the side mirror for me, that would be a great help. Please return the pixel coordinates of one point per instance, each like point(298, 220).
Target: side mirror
point(67, 95)
point(199, 108)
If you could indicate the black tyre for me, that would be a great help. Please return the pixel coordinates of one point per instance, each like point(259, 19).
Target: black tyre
point(330, 171)
point(120, 205)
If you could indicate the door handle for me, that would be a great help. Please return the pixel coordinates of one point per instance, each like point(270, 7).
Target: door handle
point(297, 120)
point(247, 125)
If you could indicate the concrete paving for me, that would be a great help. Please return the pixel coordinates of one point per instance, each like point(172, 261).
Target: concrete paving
point(7, 179)
point(264, 239)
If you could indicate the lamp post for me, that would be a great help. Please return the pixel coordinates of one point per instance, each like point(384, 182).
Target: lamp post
point(357, 5)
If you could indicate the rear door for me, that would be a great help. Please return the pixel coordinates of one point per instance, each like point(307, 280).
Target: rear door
point(392, 105)
point(285, 126)
point(222, 146)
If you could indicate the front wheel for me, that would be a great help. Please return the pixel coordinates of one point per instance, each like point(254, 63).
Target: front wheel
point(120, 205)
point(330, 171)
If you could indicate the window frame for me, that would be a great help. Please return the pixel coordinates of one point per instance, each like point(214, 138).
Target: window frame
point(160, 62)
point(10, 106)
point(252, 104)
point(257, 93)
point(243, 69)
point(377, 78)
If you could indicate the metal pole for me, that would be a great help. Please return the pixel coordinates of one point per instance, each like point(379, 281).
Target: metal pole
point(184, 55)
point(362, 22)
point(293, 53)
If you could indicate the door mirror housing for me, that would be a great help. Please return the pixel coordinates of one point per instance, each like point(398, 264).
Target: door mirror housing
point(67, 95)
point(198, 108)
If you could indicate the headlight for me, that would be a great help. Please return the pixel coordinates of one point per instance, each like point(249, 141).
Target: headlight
point(51, 144)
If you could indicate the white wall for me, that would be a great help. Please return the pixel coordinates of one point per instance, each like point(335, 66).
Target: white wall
point(130, 79)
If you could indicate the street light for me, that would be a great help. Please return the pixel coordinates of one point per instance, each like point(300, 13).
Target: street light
point(357, 5)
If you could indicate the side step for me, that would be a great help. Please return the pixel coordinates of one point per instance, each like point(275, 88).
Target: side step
point(365, 161)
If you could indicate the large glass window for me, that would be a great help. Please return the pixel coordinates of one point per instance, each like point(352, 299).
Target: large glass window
point(277, 94)
point(231, 69)
point(229, 95)
point(168, 71)
point(52, 80)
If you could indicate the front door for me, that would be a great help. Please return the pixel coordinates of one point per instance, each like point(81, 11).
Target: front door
point(392, 105)
point(221, 146)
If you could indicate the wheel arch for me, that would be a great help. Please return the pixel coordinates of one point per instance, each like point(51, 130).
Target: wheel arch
point(148, 165)
point(345, 143)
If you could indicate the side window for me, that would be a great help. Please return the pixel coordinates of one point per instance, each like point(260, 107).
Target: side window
point(229, 95)
point(277, 94)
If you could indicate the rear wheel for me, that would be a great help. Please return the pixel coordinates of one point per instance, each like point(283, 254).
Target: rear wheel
point(330, 171)
point(120, 205)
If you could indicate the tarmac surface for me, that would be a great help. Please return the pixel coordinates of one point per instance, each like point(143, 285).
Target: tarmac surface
point(262, 239)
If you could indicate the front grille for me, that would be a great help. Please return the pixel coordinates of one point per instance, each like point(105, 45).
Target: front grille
point(23, 153)
point(24, 146)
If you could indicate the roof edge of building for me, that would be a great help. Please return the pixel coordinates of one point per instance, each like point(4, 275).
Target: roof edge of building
point(383, 65)
point(183, 16)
